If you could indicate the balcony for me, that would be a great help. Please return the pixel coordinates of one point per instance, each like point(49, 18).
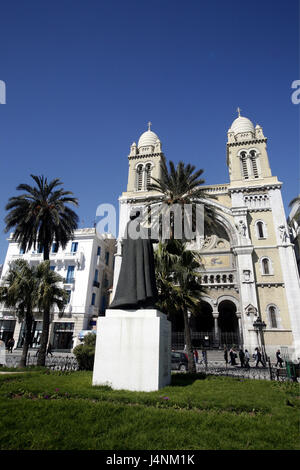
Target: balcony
point(76, 257)
point(215, 280)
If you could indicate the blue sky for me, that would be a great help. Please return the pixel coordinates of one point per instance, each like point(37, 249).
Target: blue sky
point(83, 78)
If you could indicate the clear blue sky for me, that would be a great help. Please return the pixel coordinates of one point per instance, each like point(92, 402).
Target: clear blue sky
point(84, 77)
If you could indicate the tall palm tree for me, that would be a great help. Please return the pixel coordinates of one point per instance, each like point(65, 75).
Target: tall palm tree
point(19, 292)
point(49, 294)
point(178, 286)
point(30, 288)
point(179, 186)
point(39, 216)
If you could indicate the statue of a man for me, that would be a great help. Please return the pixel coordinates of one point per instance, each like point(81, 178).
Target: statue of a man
point(136, 286)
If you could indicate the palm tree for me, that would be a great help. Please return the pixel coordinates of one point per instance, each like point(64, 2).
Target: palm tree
point(179, 187)
point(49, 294)
point(19, 292)
point(29, 288)
point(39, 216)
point(178, 286)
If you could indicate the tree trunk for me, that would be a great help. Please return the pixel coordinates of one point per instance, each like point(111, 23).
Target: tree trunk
point(41, 360)
point(27, 339)
point(44, 338)
point(189, 348)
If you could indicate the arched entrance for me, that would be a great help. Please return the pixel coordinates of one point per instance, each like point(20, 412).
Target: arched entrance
point(202, 325)
point(228, 324)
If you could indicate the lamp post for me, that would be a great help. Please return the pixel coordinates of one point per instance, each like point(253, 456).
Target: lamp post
point(259, 327)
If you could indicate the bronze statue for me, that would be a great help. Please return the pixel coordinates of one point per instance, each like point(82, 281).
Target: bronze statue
point(136, 286)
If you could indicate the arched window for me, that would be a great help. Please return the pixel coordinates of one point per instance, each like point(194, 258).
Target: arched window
point(260, 229)
point(265, 263)
point(273, 317)
point(139, 178)
point(148, 175)
point(254, 164)
point(244, 165)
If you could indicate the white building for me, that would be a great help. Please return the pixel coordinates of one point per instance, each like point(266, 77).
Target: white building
point(87, 267)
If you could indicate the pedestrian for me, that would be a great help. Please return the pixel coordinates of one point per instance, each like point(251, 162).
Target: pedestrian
point(259, 358)
point(242, 357)
point(247, 359)
point(232, 355)
point(196, 356)
point(279, 358)
point(10, 344)
point(49, 350)
point(226, 355)
point(204, 356)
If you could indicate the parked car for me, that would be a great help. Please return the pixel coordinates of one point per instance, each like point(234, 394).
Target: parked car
point(179, 360)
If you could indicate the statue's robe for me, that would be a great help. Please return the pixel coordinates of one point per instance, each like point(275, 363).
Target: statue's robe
point(136, 286)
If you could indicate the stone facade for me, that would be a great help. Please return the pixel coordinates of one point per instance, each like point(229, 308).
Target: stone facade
point(250, 269)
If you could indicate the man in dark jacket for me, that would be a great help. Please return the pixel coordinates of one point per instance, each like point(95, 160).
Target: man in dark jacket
point(259, 358)
point(242, 357)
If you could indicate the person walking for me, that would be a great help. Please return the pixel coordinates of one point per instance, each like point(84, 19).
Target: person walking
point(49, 350)
point(204, 357)
point(10, 344)
point(196, 356)
point(247, 359)
point(232, 355)
point(259, 358)
point(242, 357)
point(226, 355)
point(279, 358)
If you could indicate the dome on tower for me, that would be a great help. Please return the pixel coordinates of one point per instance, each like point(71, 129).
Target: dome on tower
point(241, 124)
point(148, 138)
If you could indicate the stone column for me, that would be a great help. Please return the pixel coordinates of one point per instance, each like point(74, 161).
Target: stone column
point(240, 327)
point(216, 336)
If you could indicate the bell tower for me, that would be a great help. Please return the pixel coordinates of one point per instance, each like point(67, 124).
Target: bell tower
point(247, 157)
point(144, 162)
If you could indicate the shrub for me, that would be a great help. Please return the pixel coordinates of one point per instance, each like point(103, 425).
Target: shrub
point(85, 352)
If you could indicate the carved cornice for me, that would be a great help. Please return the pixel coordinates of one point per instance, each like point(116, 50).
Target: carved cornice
point(270, 284)
point(144, 155)
point(247, 189)
point(246, 142)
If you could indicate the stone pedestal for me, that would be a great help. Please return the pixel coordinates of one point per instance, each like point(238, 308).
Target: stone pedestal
point(133, 350)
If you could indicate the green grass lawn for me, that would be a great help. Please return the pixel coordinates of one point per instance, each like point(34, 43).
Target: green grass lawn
point(45, 410)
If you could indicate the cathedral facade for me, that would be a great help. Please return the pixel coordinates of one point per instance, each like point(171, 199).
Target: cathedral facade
point(249, 268)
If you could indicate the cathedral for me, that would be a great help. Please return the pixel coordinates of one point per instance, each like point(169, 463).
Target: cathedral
point(249, 268)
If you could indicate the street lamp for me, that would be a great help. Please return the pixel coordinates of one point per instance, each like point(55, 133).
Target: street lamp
point(259, 327)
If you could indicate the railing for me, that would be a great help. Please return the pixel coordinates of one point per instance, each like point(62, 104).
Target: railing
point(207, 340)
point(62, 363)
point(257, 373)
point(217, 279)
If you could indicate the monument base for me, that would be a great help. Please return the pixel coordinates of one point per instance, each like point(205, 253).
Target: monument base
point(133, 350)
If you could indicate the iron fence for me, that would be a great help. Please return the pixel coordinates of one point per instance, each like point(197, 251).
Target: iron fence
point(270, 372)
point(61, 363)
point(207, 340)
